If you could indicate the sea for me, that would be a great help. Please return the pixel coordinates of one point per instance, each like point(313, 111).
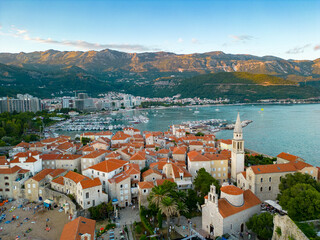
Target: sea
point(294, 129)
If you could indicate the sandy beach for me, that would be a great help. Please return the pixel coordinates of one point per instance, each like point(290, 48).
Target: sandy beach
point(37, 223)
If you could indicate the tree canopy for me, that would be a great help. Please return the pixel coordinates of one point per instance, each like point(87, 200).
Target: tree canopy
point(262, 225)
point(292, 179)
point(203, 181)
point(302, 201)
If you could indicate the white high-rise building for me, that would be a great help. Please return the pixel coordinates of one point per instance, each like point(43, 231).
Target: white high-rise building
point(237, 155)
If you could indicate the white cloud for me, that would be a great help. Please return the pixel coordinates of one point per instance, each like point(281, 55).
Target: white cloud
point(23, 34)
point(241, 38)
point(194, 40)
point(297, 50)
point(180, 40)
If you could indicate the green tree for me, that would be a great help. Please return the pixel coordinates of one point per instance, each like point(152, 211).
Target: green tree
point(169, 207)
point(191, 200)
point(302, 201)
point(292, 179)
point(158, 193)
point(159, 217)
point(203, 181)
point(85, 140)
point(262, 225)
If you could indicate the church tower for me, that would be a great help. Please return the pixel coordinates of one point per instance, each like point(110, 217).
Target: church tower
point(237, 155)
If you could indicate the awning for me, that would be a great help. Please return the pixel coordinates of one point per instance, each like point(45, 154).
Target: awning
point(275, 205)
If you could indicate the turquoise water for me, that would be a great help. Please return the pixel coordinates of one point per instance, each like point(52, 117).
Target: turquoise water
point(279, 128)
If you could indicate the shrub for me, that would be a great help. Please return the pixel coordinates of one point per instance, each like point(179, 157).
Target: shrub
point(278, 231)
point(138, 229)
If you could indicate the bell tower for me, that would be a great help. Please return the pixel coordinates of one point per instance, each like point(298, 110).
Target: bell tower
point(237, 155)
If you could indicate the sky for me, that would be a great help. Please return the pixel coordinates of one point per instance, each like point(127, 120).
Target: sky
point(289, 29)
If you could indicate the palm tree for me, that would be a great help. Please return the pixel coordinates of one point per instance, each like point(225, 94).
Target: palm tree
point(157, 194)
point(182, 208)
point(168, 207)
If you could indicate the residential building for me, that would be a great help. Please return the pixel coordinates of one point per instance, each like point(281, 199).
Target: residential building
point(29, 160)
point(79, 229)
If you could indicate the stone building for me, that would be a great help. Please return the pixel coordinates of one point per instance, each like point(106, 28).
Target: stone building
point(79, 229)
point(229, 213)
point(237, 153)
point(9, 176)
point(32, 185)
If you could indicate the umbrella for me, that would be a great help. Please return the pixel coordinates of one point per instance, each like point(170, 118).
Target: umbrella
point(101, 229)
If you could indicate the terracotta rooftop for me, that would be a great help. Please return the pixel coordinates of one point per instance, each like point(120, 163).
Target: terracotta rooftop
point(139, 156)
point(119, 177)
point(58, 180)
point(23, 144)
point(76, 177)
point(41, 175)
point(49, 156)
point(159, 182)
point(89, 183)
point(150, 171)
point(196, 143)
point(226, 209)
point(179, 150)
point(231, 190)
point(287, 156)
point(227, 141)
point(10, 170)
point(109, 165)
point(163, 151)
point(145, 185)
point(272, 168)
point(216, 156)
point(28, 160)
point(76, 228)
point(120, 136)
point(95, 154)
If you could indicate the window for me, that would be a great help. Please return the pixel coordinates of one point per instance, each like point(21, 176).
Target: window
point(121, 186)
point(52, 162)
point(213, 169)
point(28, 185)
point(84, 160)
point(270, 188)
point(34, 185)
point(261, 179)
point(6, 178)
point(221, 162)
point(7, 189)
point(29, 191)
point(40, 191)
point(1, 190)
point(98, 190)
point(280, 179)
point(144, 190)
point(135, 176)
point(121, 192)
point(214, 175)
point(88, 202)
point(7, 184)
point(98, 173)
point(87, 195)
point(103, 174)
point(261, 189)
point(311, 172)
point(126, 186)
point(238, 181)
point(125, 191)
point(269, 179)
point(219, 174)
point(219, 169)
point(126, 197)
point(92, 171)
point(121, 198)
point(104, 182)
point(224, 169)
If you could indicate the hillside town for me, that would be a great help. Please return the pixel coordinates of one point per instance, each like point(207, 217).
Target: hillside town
point(127, 168)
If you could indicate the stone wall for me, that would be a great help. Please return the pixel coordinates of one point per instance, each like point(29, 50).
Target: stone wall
point(60, 199)
point(288, 229)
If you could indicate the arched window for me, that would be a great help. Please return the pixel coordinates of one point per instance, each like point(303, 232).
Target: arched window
point(261, 189)
point(269, 179)
point(261, 180)
point(270, 188)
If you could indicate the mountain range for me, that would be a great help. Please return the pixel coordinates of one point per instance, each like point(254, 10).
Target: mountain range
point(48, 72)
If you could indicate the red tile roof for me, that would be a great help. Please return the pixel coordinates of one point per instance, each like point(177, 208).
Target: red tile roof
point(227, 141)
point(76, 177)
point(162, 181)
point(59, 180)
point(41, 175)
point(49, 156)
point(96, 153)
point(179, 150)
point(109, 165)
point(119, 177)
point(28, 160)
point(231, 190)
point(10, 170)
point(145, 185)
point(89, 183)
point(139, 156)
point(272, 168)
point(76, 228)
point(287, 156)
point(120, 136)
point(150, 171)
point(226, 209)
